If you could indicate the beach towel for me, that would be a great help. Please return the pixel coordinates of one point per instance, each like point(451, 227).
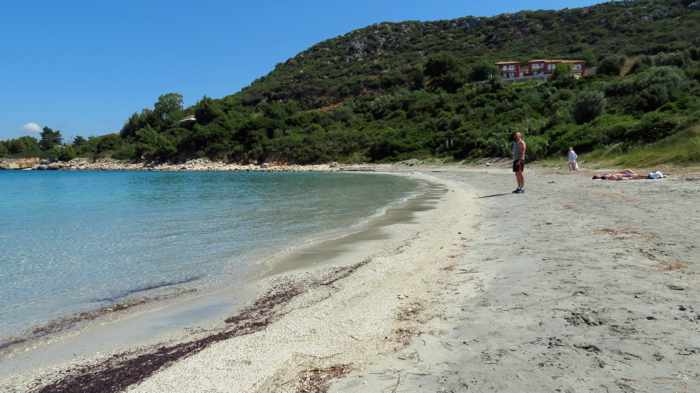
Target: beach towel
point(655, 175)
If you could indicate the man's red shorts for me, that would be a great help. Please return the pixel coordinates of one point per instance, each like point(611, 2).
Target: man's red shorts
point(518, 166)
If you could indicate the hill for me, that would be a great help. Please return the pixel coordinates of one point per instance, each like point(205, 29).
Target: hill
point(429, 89)
point(387, 55)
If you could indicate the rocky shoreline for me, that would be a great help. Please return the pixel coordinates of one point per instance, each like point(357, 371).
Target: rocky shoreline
point(196, 165)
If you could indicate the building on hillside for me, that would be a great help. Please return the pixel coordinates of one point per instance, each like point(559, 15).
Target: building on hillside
point(509, 69)
point(540, 68)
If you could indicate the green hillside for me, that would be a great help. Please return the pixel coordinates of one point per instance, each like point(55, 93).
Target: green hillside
point(427, 89)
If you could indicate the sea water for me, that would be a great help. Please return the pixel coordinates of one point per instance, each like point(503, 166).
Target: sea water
point(78, 241)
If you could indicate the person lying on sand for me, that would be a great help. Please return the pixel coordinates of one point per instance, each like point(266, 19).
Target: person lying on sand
point(628, 174)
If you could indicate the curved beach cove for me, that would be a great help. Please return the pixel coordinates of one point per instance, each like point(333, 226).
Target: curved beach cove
point(79, 245)
point(438, 293)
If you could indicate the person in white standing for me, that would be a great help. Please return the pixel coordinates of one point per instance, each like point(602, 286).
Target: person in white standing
point(572, 156)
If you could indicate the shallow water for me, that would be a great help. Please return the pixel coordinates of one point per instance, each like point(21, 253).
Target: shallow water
point(76, 241)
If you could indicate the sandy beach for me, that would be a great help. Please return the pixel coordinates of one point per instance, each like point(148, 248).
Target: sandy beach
point(574, 286)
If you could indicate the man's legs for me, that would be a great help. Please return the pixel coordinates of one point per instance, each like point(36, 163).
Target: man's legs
point(521, 179)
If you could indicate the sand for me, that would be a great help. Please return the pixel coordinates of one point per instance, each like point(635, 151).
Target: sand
point(574, 286)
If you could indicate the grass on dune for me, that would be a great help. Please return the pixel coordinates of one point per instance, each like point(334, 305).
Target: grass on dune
point(681, 149)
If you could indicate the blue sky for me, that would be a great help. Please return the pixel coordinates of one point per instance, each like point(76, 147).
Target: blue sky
point(84, 66)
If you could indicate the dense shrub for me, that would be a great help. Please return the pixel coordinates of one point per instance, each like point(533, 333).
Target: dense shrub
point(611, 65)
point(588, 106)
point(125, 152)
point(66, 153)
point(676, 59)
point(444, 72)
point(567, 135)
point(614, 128)
point(694, 53)
point(481, 72)
point(650, 89)
point(563, 76)
point(49, 139)
point(154, 146)
point(537, 147)
point(694, 73)
point(653, 127)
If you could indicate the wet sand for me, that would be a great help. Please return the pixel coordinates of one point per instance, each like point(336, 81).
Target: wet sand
point(574, 286)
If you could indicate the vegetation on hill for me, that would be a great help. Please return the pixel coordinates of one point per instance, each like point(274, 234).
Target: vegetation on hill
point(429, 89)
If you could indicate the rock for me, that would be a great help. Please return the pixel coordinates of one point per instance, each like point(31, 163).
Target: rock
point(19, 163)
point(199, 165)
point(588, 347)
point(689, 351)
point(411, 162)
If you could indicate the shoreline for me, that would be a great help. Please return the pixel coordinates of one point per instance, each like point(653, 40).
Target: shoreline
point(195, 165)
point(147, 296)
point(331, 318)
point(268, 271)
point(264, 265)
point(574, 285)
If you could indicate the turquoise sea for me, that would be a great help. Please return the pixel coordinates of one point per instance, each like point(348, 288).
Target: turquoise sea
point(78, 241)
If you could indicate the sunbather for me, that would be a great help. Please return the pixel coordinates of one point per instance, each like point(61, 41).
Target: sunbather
point(627, 174)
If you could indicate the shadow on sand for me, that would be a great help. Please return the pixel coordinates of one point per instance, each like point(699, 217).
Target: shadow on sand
point(495, 195)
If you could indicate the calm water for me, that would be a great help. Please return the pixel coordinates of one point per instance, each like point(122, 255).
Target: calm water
point(74, 241)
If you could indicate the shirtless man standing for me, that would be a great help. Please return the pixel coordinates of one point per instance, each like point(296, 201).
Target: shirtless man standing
point(519, 148)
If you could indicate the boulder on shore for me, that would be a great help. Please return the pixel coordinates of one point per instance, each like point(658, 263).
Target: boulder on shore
point(19, 163)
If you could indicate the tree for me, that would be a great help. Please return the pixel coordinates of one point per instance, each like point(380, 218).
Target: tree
point(66, 153)
point(611, 65)
point(135, 123)
point(416, 78)
point(79, 141)
point(49, 138)
point(588, 105)
point(443, 72)
point(481, 72)
point(563, 76)
point(25, 146)
point(169, 107)
point(3, 149)
point(106, 143)
point(153, 145)
point(694, 54)
point(207, 110)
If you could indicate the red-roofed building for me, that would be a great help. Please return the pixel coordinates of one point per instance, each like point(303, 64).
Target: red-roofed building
point(509, 69)
point(539, 68)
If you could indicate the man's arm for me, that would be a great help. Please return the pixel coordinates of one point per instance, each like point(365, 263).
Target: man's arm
point(523, 147)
